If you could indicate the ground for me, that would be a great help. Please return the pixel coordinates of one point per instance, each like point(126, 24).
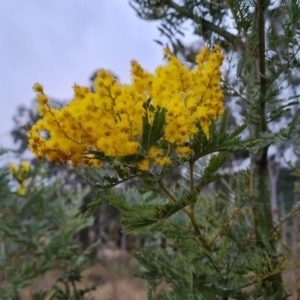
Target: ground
point(115, 268)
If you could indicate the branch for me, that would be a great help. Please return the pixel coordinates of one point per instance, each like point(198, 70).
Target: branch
point(262, 70)
point(227, 224)
point(262, 279)
point(206, 25)
point(190, 214)
point(287, 217)
point(158, 11)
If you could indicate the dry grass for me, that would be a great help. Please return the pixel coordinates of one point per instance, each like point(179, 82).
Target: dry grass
point(115, 268)
point(289, 280)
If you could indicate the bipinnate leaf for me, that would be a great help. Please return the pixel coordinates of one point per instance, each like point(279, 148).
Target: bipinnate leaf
point(138, 216)
point(219, 139)
point(152, 132)
point(94, 204)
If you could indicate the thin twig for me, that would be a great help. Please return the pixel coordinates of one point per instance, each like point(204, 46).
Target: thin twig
point(225, 226)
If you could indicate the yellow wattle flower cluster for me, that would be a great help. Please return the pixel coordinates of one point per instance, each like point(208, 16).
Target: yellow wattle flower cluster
point(110, 119)
point(20, 175)
point(191, 97)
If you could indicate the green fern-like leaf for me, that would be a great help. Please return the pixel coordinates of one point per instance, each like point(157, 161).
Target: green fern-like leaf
point(152, 132)
point(94, 204)
point(219, 140)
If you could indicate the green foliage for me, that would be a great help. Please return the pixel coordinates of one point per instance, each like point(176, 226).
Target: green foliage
point(231, 262)
point(219, 140)
point(37, 235)
point(152, 132)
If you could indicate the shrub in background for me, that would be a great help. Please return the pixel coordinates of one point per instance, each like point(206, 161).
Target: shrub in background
point(39, 220)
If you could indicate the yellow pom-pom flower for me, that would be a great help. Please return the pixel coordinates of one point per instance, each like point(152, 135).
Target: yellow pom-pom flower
point(109, 120)
point(20, 174)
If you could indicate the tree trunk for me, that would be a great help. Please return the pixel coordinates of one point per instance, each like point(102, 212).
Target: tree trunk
point(260, 174)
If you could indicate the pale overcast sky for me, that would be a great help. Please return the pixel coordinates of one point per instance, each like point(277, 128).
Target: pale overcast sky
point(60, 42)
